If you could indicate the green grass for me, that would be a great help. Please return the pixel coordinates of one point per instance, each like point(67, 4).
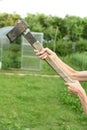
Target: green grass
point(46, 69)
point(38, 103)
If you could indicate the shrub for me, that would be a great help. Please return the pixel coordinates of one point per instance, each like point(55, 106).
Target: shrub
point(11, 57)
point(64, 48)
point(79, 59)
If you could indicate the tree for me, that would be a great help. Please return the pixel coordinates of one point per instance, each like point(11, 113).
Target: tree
point(8, 19)
point(74, 26)
point(84, 35)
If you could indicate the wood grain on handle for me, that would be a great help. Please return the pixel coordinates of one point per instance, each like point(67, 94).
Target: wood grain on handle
point(37, 45)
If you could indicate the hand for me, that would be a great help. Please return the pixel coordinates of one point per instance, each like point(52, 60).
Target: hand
point(75, 87)
point(43, 54)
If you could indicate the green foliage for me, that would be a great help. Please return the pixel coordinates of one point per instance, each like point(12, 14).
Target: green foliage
point(84, 34)
point(8, 19)
point(81, 45)
point(63, 47)
point(11, 57)
point(79, 59)
point(63, 35)
point(72, 27)
point(72, 100)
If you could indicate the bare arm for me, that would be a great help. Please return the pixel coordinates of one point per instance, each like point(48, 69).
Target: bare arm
point(77, 89)
point(76, 75)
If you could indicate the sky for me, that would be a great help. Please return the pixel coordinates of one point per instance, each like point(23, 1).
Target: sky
point(59, 8)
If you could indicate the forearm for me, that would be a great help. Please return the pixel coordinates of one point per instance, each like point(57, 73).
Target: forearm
point(81, 75)
point(66, 68)
point(83, 99)
point(75, 75)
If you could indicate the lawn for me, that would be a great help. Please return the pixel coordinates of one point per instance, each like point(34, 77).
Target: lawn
point(38, 103)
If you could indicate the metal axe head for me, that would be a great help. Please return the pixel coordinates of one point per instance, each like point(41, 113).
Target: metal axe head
point(17, 30)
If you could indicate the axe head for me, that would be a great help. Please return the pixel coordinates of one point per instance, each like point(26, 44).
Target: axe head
point(17, 30)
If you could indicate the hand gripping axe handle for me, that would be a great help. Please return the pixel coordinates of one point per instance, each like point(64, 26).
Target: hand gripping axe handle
point(21, 28)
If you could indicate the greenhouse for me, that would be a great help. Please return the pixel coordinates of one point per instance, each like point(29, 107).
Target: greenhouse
point(20, 54)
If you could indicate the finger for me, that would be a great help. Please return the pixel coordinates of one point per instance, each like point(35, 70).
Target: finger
point(43, 56)
point(43, 51)
point(35, 50)
point(49, 51)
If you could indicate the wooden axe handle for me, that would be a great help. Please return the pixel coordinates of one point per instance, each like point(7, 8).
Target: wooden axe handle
point(37, 45)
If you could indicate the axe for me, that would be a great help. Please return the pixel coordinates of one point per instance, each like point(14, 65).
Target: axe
point(22, 28)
